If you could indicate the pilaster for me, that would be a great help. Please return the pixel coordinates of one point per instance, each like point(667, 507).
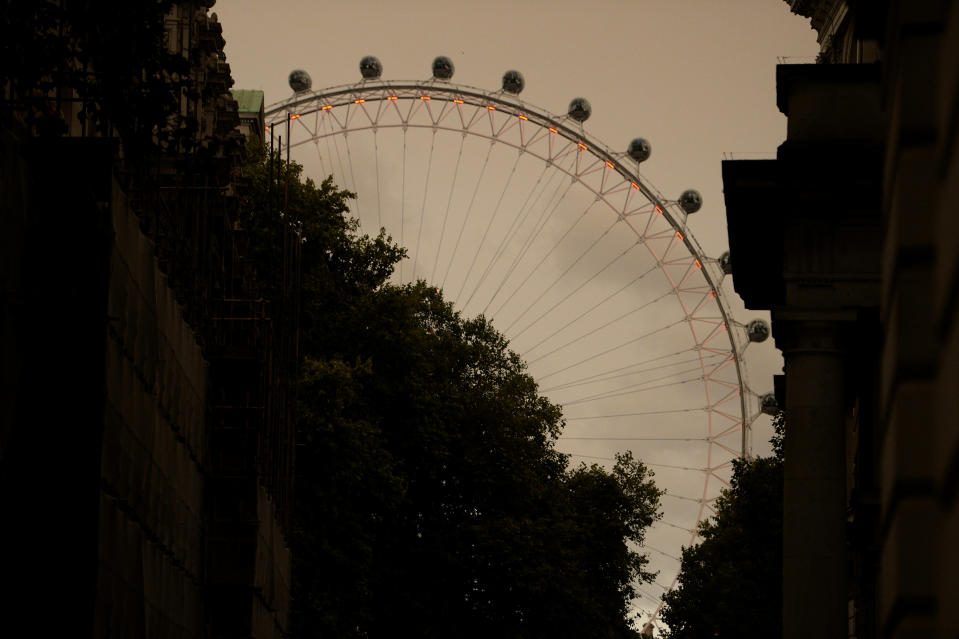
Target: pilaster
point(814, 490)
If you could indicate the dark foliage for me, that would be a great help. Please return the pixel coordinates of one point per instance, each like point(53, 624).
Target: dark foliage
point(107, 56)
point(730, 584)
point(431, 501)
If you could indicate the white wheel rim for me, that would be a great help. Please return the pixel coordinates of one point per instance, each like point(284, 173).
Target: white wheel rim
point(716, 342)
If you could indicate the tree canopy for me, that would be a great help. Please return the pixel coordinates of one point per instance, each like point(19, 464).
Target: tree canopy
point(111, 53)
point(430, 497)
point(730, 583)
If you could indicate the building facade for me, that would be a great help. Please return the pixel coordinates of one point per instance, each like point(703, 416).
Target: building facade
point(146, 446)
point(850, 238)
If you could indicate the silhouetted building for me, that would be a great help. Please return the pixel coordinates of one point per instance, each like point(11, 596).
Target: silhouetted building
point(850, 238)
point(146, 446)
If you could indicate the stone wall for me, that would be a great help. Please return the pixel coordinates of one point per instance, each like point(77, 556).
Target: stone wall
point(860, 266)
point(919, 409)
point(151, 541)
point(112, 267)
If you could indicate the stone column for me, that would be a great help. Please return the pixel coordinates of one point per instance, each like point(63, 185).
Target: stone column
point(814, 499)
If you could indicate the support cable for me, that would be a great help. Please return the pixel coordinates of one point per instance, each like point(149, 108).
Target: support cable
point(489, 224)
point(604, 438)
point(664, 522)
point(469, 210)
point(673, 411)
point(591, 309)
point(319, 156)
point(339, 158)
point(449, 203)
point(534, 233)
point(376, 152)
point(646, 463)
point(621, 392)
point(496, 253)
point(403, 205)
point(597, 378)
point(566, 272)
point(546, 256)
point(520, 219)
point(661, 552)
point(349, 157)
point(528, 241)
point(567, 296)
point(601, 327)
point(426, 188)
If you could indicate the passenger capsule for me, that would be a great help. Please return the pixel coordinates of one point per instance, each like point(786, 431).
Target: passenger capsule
point(639, 149)
point(691, 201)
point(769, 405)
point(757, 330)
point(300, 80)
point(513, 82)
point(725, 263)
point(371, 68)
point(580, 109)
point(443, 68)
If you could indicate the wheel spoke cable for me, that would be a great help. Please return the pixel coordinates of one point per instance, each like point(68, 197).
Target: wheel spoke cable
point(591, 309)
point(449, 203)
point(528, 241)
point(563, 275)
point(469, 210)
point(489, 224)
point(489, 266)
point(426, 188)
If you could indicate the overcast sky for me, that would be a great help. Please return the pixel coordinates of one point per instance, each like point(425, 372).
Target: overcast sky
point(695, 77)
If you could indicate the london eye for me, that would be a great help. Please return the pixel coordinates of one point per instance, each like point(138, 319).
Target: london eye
point(593, 274)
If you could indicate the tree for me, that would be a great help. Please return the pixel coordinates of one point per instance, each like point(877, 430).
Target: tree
point(445, 504)
point(112, 54)
point(430, 498)
point(730, 584)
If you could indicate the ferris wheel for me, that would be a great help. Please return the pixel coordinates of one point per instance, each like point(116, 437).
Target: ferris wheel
point(591, 273)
